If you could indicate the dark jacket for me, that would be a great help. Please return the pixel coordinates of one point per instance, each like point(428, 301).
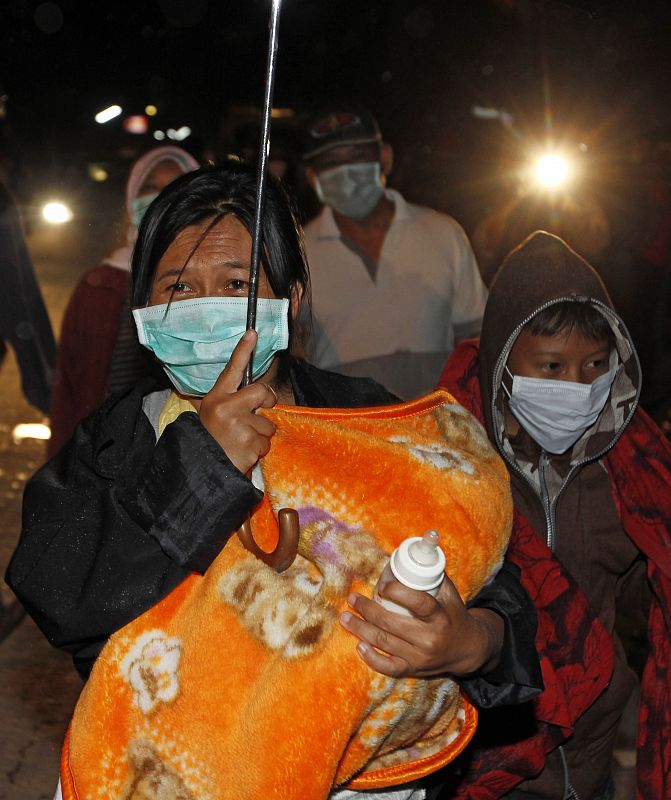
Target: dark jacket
point(24, 321)
point(577, 503)
point(116, 520)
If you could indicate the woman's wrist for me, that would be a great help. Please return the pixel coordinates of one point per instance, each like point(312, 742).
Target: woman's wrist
point(488, 640)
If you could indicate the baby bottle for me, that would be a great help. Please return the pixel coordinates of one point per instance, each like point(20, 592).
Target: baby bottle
point(417, 562)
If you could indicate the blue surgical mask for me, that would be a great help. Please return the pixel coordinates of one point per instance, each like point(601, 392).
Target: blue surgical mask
point(353, 190)
point(194, 339)
point(557, 413)
point(139, 206)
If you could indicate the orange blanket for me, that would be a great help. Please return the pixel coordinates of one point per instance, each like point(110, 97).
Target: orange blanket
point(241, 683)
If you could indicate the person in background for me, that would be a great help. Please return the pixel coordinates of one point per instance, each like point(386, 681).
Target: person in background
point(25, 324)
point(555, 379)
point(24, 321)
point(98, 350)
point(394, 284)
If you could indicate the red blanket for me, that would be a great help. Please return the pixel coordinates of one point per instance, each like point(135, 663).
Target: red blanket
point(576, 651)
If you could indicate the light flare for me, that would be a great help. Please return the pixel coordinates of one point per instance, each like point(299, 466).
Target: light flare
point(552, 170)
point(56, 213)
point(30, 430)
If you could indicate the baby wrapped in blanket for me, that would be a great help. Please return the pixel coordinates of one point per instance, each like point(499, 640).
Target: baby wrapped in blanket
point(241, 683)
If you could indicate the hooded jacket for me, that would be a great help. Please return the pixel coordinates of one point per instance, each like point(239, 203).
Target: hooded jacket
point(602, 507)
point(562, 496)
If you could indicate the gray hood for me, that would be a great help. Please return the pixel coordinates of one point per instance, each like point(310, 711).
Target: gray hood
point(542, 272)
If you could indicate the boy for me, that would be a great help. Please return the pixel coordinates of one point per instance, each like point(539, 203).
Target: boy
point(555, 379)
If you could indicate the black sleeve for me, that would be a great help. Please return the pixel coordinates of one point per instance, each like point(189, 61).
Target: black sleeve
point(517, 678)
point(106, 537)
point(24, 321)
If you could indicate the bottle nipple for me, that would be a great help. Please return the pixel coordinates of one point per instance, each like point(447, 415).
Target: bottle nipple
point(425, 551)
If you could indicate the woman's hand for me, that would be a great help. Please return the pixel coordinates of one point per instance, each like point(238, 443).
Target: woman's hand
point(442, 636)
point(228, 412)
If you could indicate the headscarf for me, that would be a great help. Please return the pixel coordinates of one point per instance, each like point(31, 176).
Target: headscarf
point(121, 257)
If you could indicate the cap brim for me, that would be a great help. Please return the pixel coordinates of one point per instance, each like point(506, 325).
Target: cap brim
point(340, 143)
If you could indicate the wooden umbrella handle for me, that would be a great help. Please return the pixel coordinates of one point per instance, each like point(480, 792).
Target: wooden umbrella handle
point(284, 554)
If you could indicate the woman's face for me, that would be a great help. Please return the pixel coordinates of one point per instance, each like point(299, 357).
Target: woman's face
point(159, 177)
point(218, 268)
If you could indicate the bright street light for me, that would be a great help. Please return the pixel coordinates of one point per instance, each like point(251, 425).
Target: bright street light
point(30, 430)
point(552, 170)
point(107, 114)
point(56, 213)
point(137, 123)
point(97, 173)
point(180, 134)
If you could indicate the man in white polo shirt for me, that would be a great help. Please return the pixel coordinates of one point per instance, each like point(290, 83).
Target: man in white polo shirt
point(394, 285)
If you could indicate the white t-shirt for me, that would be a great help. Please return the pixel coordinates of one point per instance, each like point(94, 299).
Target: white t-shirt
point(400, 326)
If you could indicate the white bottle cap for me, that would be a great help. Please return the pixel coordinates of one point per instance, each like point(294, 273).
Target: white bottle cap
point(418, 562)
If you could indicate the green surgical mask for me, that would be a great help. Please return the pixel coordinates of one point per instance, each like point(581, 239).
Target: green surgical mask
point(140, 205)
point(194, 339)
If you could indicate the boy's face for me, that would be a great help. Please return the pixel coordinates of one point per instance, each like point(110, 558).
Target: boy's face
point(564, 356)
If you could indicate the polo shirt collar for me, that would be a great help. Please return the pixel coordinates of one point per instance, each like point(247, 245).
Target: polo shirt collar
point(325, 223)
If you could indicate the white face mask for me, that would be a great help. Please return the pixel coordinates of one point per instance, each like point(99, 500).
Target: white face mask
point(557, 413)
point(353, 190)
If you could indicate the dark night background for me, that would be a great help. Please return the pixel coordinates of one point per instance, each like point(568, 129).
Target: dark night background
point(590, 76)
point(604, 68)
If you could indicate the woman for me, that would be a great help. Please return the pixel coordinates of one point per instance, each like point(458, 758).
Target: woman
point(125, 518)
point(97, 349)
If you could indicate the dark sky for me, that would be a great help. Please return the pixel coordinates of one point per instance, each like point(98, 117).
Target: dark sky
point(600, 70)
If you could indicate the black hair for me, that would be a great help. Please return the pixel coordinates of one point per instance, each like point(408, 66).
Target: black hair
point(570, 315)
point(211, 193)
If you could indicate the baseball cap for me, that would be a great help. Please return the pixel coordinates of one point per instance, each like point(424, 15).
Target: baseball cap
point(337, 126)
